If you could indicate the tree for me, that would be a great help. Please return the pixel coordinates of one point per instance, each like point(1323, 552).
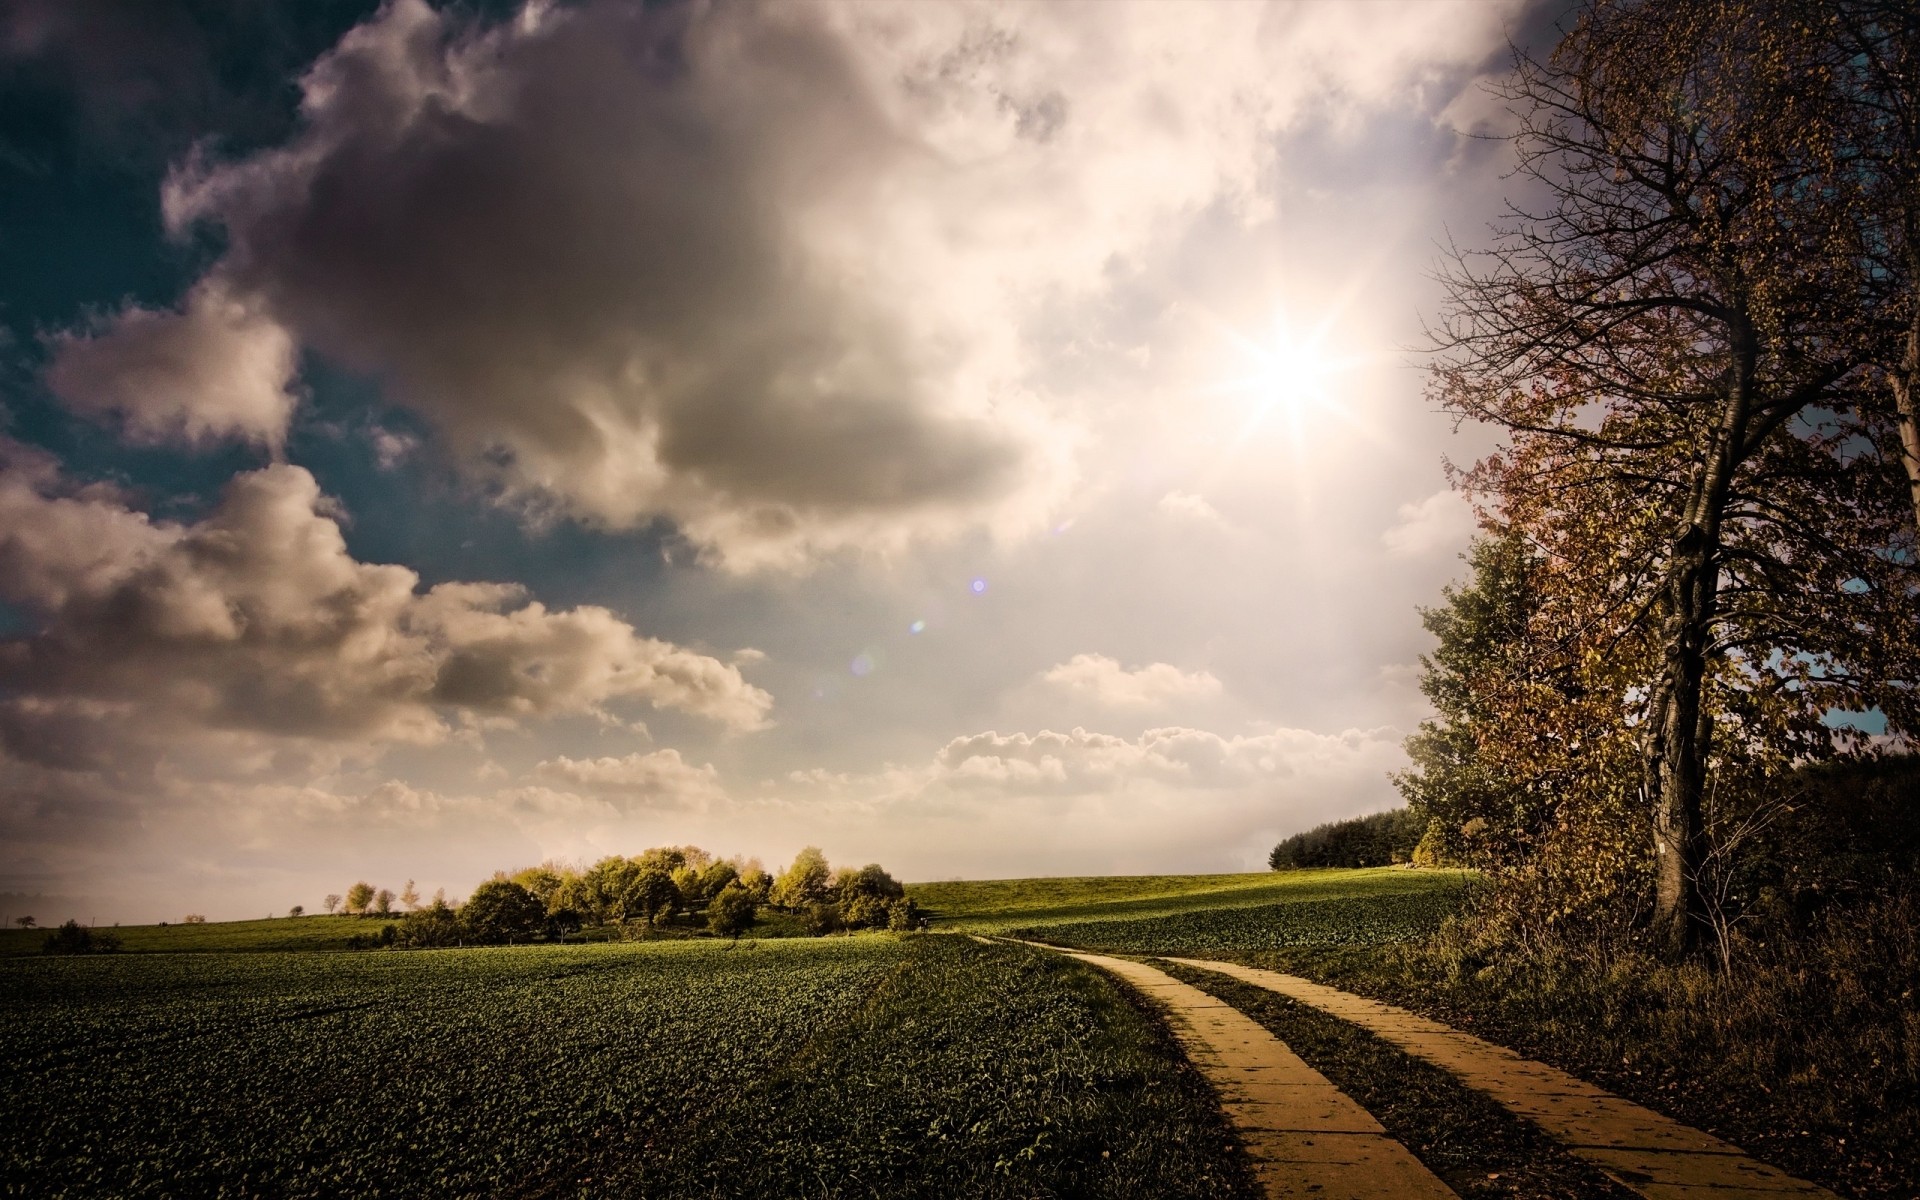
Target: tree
point(687, 882)
point(804, 883)
point(871, 880)
point(1664, 342)
point(359, 897)
point(651, 895)
point(716, 876)
point(731, 911)
point(606, 885)
point(1870, 64)
point(383, 901)
point(1375, 840)
point(24, 922)
point(500, 910)
point(331, 902)
point(410, 896)
point(543, 881)
point(298, 910)
point(758, 883)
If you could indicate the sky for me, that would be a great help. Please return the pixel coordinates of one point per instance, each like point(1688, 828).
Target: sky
point(986, 439)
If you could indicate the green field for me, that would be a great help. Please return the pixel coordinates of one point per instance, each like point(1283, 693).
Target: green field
point(274, 933)
point(1366, 919)
point(1002, 905)
point(873, 1065)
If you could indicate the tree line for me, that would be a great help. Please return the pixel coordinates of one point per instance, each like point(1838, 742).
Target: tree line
point(644, 893)
point(1375, 840)
point(1696, 576)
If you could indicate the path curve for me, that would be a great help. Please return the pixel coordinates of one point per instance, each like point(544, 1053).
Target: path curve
point(1305, 1136)
point(1653, 1155)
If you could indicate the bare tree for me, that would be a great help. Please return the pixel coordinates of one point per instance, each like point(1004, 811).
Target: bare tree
point(331, 903)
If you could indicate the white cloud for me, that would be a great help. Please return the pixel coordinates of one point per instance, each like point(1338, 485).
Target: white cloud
point(1190, 507)
point(1105, 681)
point(1440, 524)
point(660, 777)
point(218, 368)
point(256, 620)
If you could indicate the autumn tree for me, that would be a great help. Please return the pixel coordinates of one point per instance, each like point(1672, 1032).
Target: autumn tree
point(410, 896)
point(359, 898)
point(651, 895)
point(1667, 334)
point(806, 881)
point(1872, 65)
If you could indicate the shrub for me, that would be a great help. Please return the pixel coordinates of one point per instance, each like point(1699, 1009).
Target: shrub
point(75, 938)
point(435, 925)
point(824, 917)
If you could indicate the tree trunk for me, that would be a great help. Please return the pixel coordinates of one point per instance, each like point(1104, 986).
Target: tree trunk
point(1679, 727)
point(1676, 752)
point(1906, 395)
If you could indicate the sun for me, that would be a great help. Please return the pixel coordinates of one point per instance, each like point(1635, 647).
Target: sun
point(1290, 376)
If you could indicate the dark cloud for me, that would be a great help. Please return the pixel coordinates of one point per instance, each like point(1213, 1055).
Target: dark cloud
point(584, 246)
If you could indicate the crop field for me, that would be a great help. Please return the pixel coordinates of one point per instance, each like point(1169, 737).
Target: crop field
point(685, 1068)
point(1363, 919)
point(1006, 905)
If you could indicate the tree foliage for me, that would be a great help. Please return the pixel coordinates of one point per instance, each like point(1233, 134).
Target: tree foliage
point(500, 910)
point(804, 883)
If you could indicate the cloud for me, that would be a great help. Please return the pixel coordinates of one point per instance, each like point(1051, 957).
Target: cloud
point(256, 620)
point(1105, 681)
point(655, 779)
point(780, 274)
point(1190, 507)
point(1059, 802)
point(1441, 523)
point(217, 368)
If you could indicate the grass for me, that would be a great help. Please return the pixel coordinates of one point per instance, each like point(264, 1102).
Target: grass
point(270, 934)
point(991, 1071)
point(999, 905)
point(846, 1066)
point(1368, 918)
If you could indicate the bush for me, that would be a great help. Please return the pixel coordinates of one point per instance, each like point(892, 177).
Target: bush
point(730, 913)
point(75, 938)
point(903, 914)
point(434, 925)
point(388, 935)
